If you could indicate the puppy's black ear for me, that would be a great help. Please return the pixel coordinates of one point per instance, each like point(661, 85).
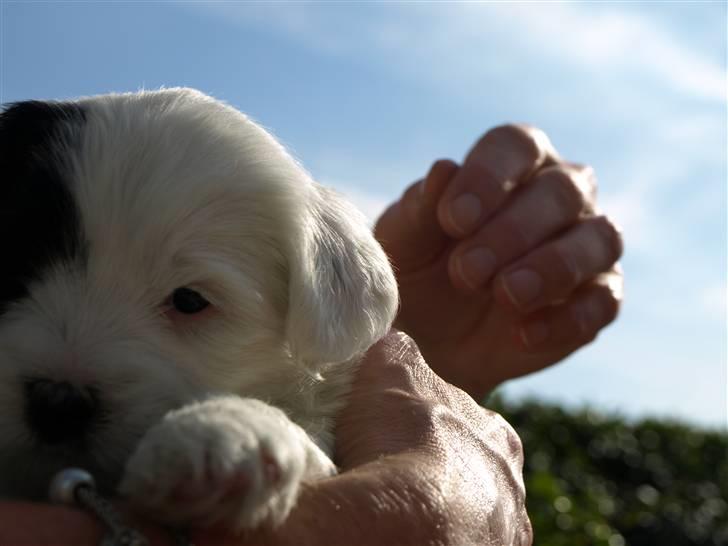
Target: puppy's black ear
point(342, 292)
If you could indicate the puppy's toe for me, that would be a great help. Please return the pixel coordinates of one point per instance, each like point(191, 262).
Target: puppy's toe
point(235, 496)
point(189, 470)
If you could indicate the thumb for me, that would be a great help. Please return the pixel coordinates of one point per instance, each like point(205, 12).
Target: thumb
point(409, 230)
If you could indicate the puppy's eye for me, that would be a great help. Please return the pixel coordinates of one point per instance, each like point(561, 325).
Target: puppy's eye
point(187, 301)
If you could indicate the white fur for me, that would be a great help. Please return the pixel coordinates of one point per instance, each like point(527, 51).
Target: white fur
point(177, 189)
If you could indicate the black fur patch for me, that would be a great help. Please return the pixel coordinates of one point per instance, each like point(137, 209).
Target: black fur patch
point(39, 221)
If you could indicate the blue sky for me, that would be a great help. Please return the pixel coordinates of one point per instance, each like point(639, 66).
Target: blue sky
point(368, 95)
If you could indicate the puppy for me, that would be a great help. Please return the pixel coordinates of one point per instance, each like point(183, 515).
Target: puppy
point(181, 306)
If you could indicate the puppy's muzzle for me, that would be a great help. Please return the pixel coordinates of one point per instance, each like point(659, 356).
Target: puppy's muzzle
point(59, 412)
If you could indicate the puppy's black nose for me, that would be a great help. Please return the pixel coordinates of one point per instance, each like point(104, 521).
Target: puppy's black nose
point(59, 412)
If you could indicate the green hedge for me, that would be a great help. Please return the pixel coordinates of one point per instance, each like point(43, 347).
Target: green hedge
point(598, 480)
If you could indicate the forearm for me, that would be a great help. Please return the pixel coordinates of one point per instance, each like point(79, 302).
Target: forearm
point(388, 502)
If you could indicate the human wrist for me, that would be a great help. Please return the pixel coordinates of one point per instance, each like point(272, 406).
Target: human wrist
point(381, 502)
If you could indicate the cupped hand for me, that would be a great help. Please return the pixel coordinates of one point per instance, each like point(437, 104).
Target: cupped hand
point(505, 266)
point(439, 468)
point(421, 463)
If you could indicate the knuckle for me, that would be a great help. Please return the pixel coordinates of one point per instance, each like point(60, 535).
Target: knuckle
point(442, 169)
point(397, 338)
point(394, 352)
point(613, 235)
point(589, 176)
point(598, 308)
point(586, 178)
point(525, 139)
point(404, 352)
point(611, 305)
point(511, 441)
point(406, 345)
point(565, 189)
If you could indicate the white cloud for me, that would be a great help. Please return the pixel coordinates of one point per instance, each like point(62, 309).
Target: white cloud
point(462, 47)
point(607, 39)
point(462, 44)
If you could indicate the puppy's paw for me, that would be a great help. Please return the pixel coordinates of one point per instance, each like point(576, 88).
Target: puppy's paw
point(230, 460)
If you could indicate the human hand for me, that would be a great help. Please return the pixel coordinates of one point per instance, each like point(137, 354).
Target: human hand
point(504, 265)
point(421, 463)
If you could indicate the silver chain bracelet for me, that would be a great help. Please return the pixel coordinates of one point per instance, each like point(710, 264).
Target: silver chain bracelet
point(76, 487)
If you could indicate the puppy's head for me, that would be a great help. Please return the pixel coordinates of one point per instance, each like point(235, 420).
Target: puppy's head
point(159, 247)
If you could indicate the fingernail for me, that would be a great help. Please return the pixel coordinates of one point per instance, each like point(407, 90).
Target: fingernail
point(523, 286)
point(464, 212)
point(534, 333)
point(476, 266)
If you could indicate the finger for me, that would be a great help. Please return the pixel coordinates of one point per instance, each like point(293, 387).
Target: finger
point(503, 158)
point(553, 200)
point(408, 230)
point(552, 272)
point(566, 327)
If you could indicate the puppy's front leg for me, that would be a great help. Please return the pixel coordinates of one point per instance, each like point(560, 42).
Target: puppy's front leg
point(230, 459)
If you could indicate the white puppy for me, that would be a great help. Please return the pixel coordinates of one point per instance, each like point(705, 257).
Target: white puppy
point(181, 306)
